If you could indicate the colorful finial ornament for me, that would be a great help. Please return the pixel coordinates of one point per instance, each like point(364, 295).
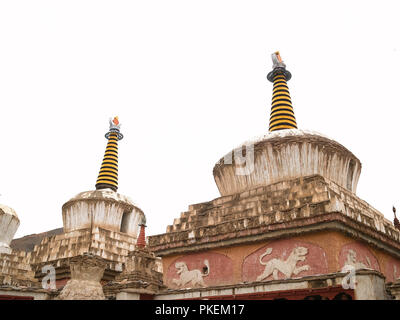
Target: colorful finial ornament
point(282, 115)
point(108, 175)
point(396, 221)
point(141, 241)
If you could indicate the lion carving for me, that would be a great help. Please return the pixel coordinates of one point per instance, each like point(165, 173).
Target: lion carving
point(286, 267)
point(191, 277)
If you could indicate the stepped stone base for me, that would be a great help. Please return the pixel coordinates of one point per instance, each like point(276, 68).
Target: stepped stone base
point(272, 211)
point(15, 269)
point(58, 250)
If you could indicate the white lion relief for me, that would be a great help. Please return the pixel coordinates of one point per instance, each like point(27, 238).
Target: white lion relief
point(352, 263)
point(287, 267)
point(193, 277)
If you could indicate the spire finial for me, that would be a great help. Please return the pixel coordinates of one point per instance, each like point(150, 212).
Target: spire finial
point(395, 220)
point(141, 241)
point(282, 115)
point(108, 175)
point(115, 126)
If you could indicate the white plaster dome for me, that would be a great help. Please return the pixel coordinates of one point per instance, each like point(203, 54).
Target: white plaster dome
point(103, 208)
point(284, 155)
point(9, 223)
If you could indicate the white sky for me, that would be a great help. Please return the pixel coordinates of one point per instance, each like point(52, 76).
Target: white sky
point(188, 81)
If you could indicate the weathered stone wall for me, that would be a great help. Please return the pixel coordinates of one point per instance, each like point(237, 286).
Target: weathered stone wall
point(328, 221)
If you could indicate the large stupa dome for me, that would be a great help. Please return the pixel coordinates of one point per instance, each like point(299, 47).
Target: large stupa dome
point(286, 152)
point(283, 155)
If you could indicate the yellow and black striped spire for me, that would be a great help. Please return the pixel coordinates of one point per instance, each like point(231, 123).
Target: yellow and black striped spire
point(108, 175)
point(282, 115)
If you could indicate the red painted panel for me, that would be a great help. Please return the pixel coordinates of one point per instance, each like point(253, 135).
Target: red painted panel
point(61, 283)
point(220, 270)
point(359, 254)
point(6, 297)
point(392, 270)
point(286, 258)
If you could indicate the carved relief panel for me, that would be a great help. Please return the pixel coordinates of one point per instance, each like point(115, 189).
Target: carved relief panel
point(284, 259)
point(392, 270)
point(356, 255)
point(200, 270)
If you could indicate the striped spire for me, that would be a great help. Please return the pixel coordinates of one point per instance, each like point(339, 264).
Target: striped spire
point(108, 175)
point(282, 115)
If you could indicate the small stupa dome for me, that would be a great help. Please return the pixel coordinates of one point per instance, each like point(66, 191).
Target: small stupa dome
point(9, 223)
point(7, 210)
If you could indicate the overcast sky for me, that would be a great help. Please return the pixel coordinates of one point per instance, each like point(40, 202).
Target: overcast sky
point(188, 82)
